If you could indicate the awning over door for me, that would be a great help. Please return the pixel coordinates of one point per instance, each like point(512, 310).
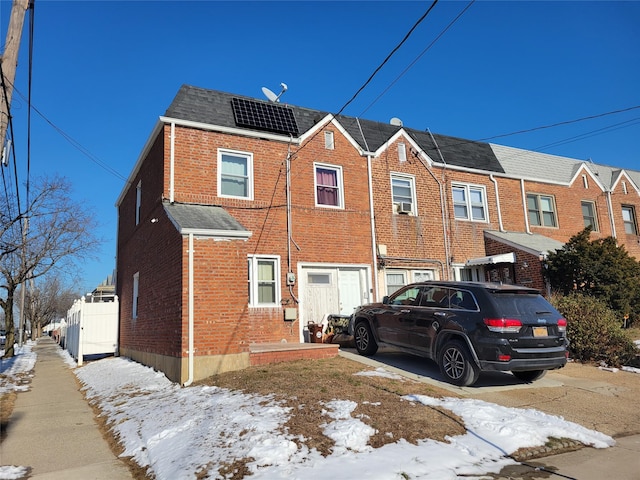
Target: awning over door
point(492, 259)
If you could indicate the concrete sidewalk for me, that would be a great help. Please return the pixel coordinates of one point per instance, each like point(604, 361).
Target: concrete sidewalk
point(52, 428)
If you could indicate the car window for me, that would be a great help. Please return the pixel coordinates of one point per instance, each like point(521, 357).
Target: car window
point(406, 297)
point(462, 299)
point(523, 305)
point(435, 297)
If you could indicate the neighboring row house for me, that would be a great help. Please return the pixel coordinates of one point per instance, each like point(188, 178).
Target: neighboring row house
point(244, 220)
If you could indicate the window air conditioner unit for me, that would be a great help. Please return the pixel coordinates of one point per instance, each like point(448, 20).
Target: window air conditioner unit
point(405, 207)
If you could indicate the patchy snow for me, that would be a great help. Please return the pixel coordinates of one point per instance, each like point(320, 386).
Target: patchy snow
point(179, 432)
point(381, 372)
point(11, 369)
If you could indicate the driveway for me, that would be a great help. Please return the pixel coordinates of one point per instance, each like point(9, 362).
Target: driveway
point(597, 399)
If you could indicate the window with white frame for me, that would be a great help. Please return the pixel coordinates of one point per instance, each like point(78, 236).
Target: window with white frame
point(629, 219)
point(138, 201)
point(402, 152)
point(235, 174)
point(134, 303)
point(264, 280)
point(469, 202)
point(589, 215)
point(329, 143)
point(423, 275)
point(329, 190)
point(395, 281)
point(542, 211)
point(403, 191)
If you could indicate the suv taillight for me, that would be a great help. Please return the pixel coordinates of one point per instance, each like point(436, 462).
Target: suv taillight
point(562, 325)
point(503, 325)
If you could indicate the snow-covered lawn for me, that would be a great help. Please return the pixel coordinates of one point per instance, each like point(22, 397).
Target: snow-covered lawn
point(179, 432)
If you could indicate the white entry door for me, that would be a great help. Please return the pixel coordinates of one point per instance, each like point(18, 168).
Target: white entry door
point(350, 290)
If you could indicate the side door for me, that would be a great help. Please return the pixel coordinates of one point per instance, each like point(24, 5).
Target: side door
point(394, 320)
point(427, 317)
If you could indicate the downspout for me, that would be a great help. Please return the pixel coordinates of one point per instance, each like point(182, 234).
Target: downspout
point(373, 228)
point(374, 249)
point(611, 220)
point(495, 186)
point(190, 314)
point(524, 207)
point(172, 162)
point(447, 251)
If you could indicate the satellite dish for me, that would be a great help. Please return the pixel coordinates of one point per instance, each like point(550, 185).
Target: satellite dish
point(269, 94)
point(272, 96)
point(396, 121)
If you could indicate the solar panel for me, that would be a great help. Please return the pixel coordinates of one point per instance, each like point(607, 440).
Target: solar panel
point(264, 116)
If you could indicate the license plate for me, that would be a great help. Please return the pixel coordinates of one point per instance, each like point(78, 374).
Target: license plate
point(540, 332)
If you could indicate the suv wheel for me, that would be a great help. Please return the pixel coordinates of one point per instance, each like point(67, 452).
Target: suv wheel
point(529, 375)
point(365, 343)
point(456, 364)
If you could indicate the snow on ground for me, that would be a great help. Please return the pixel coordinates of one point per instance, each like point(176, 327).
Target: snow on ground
point(177, 432)
point(11, 369)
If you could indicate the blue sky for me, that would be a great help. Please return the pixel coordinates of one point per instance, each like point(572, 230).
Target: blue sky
point(103, 72)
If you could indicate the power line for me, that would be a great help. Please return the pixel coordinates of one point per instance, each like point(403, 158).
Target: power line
point(418, 57)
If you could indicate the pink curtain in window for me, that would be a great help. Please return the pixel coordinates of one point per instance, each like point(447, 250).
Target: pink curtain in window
point(327, 182)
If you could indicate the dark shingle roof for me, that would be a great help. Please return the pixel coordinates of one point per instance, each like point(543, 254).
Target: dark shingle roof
point(214, 108)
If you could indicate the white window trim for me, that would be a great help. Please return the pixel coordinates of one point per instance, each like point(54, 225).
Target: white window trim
point(253, 280)
point(412, 183)
point(236, 153)
point(541, 211)
point(468, 187)
point(338, 170)
point(135, 295)
point(596, 228)
point(329, 140)
point(391, 271)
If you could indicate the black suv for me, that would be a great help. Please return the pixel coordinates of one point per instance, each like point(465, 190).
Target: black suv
point(467, 327)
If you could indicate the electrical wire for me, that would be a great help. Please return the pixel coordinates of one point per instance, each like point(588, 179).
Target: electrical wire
point(418, 57)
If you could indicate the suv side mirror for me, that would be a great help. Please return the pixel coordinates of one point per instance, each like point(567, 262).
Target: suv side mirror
point(385, 299)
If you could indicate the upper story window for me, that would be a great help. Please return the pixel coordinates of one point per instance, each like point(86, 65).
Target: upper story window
point(329, 190)
point(134, 299)
point(629, 219)
point(403, 191)
point(402, 152)
point(589, 215)
point(138, 201)
point(469, 202)
point(541, 210)
point(264, 281)
point(329, 142)
point(235, 174)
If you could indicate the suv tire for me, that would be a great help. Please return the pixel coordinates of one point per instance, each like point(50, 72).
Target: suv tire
point(456, 364)
point(529, 375)
point(365, 343)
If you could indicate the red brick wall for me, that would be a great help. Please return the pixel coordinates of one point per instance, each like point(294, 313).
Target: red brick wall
point(321, 234)
point(527, 270)
point(631, 198)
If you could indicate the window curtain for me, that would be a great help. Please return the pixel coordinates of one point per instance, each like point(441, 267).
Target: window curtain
point(327, 186)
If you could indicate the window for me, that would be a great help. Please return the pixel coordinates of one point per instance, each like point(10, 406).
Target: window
point(402, 152)
point(395, 281)
point(403, 193)
point(138, 201)
point(423, 275)
point(589, 215)
point(469, 203)
point(541, 210)
point(235, 171)
point(134, 304)
point(329, 143)
point(329, 186)
point(629, 219)
point(264, 281)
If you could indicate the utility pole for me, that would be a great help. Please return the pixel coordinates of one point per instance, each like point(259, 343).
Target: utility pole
point(9, 60)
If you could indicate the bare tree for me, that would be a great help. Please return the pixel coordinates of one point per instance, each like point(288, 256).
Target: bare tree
point(54, 233)
point(47, 300)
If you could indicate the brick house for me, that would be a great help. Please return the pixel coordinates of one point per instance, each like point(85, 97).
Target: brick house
point(243, 221)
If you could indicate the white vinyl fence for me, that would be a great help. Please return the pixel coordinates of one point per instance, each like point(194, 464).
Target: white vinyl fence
point(92, 328)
